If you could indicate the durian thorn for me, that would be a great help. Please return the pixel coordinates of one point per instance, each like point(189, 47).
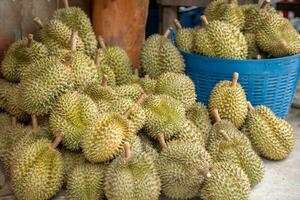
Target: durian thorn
point(98, 57)
point(249, 105)
point(204, 21)
point(34, 122)
point(13, 121)
point(57, 140)
point(101, 41)
point(127, 150)
point(264, 4)
point(225, 135)
point(29, 40)
point(234, 79)
point(104, 80)
point(66, 3)
point(141, 99)
point(215, 114)
point(205, 172)
point(167, 33)
point(74, 37)
point(38, 22)
point(177, 24)
point(162, 141)
point(68, 60)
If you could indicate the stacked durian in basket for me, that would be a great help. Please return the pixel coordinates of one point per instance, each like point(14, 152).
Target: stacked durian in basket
point(231, 31)
point(80, 118)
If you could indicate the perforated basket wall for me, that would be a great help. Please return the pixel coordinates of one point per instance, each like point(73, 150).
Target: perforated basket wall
point(270, 82)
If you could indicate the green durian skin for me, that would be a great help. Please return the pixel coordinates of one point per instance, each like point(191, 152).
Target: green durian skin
point(106, 70)
point(133, 179)
point(72, 114)
point(231, 102)
point(203, 44)
point(5, 120)
point(86, 181)
point(178, 86)
point(12, 106)
point(5, 88)
point(131, 91)
point(148, 84)
point(184, 39)
point(253, 49)
point(38, 172)
point(227, 182)
point(272, 137)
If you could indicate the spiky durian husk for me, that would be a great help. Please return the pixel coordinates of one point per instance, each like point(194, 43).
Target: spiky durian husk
point(222, 10)
point(240, 153)
point(19, 56)
point(277, 36)
point(178, 86)
point(158, 55)
point(184, 39)
point(148, 146)
point(5, 119)
point(71, 159)
point(231, 102)
point(228, 182)
point(148, 85)
point(164, 115)
point(199, 115)
point(72, 114)
point(76, 19)
point(41, 87)
point(5, 87)
point(133, 179)
point(103, 141)
point(253, 50)
point(106, 70)
point(38, 172)
point(86, 181)
point(12, 106)
point(132, 91)
point(178, 166)
point(271, 136)
point(203, 44)
point(117, 59)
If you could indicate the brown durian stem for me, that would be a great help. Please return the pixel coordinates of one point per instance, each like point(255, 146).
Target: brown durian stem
point(104, 80)
point(74, 37)
point(14, 121)
point(167, 33)
point(162, 141)
point(34, 122)
point(38, 22)
point(250, 107)
point(136, 71)
point(265, 3)
point(29, 40)
point(230, 1)
point(141, 99)
point(177, 24)
point(127, 150)
point(204, 21)
point(66, 3)
point(225, 135)
point(98, 57)
point(215, 115)
point(101, 41)
point(234, 79)
point(57, 140)
point(205, 172)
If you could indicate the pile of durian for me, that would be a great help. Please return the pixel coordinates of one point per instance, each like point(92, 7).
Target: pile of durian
point(231, 31)
point(80, 118)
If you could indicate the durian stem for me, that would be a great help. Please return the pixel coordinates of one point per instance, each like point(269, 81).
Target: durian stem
point(66, 3)
point(162, 141)
point(141, 99)
point(136, 71)
point(98, 57)
point(215, 115)
point(167, 33)
point(101, 42)
point(34, 122)
point(74, 37)
point(29, 40)
point(225, 135)
point(104, 80)
point(265, 3)
point(68, 60)
point(204, 21)
point(230, 1)
point(258, 56)
point(177, 24)
point(127, 150)
point(13, 121)
point(205, 172)
point(146, 76)
point(250, 107)
point(234, 79)
point(38, 22)
point(57, 140)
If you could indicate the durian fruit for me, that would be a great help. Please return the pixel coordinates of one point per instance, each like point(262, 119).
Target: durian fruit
point(199, 115)
point(270, 136)
point(178, 86)
point(132, 177)
point(158, 55)
point(5, 87)
point(19, 55)
point(227, 11)
point(184, 37)
point(164, 115)
point(148, 84)
point(5, 119)
point(132, 91)
point(182, 166)
point(104, 70)
point(277, 36)
point(117, 59)
point(71, 160)
point(38, 171)
point(253, 50)
point(237, 151)
point(227, 182)
point(148, 146)
point(86, 181)
point(45, 81)
point(229, 98)
point(103, 140)
point(76, 19)
point(72, 114)
point(220, 39)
